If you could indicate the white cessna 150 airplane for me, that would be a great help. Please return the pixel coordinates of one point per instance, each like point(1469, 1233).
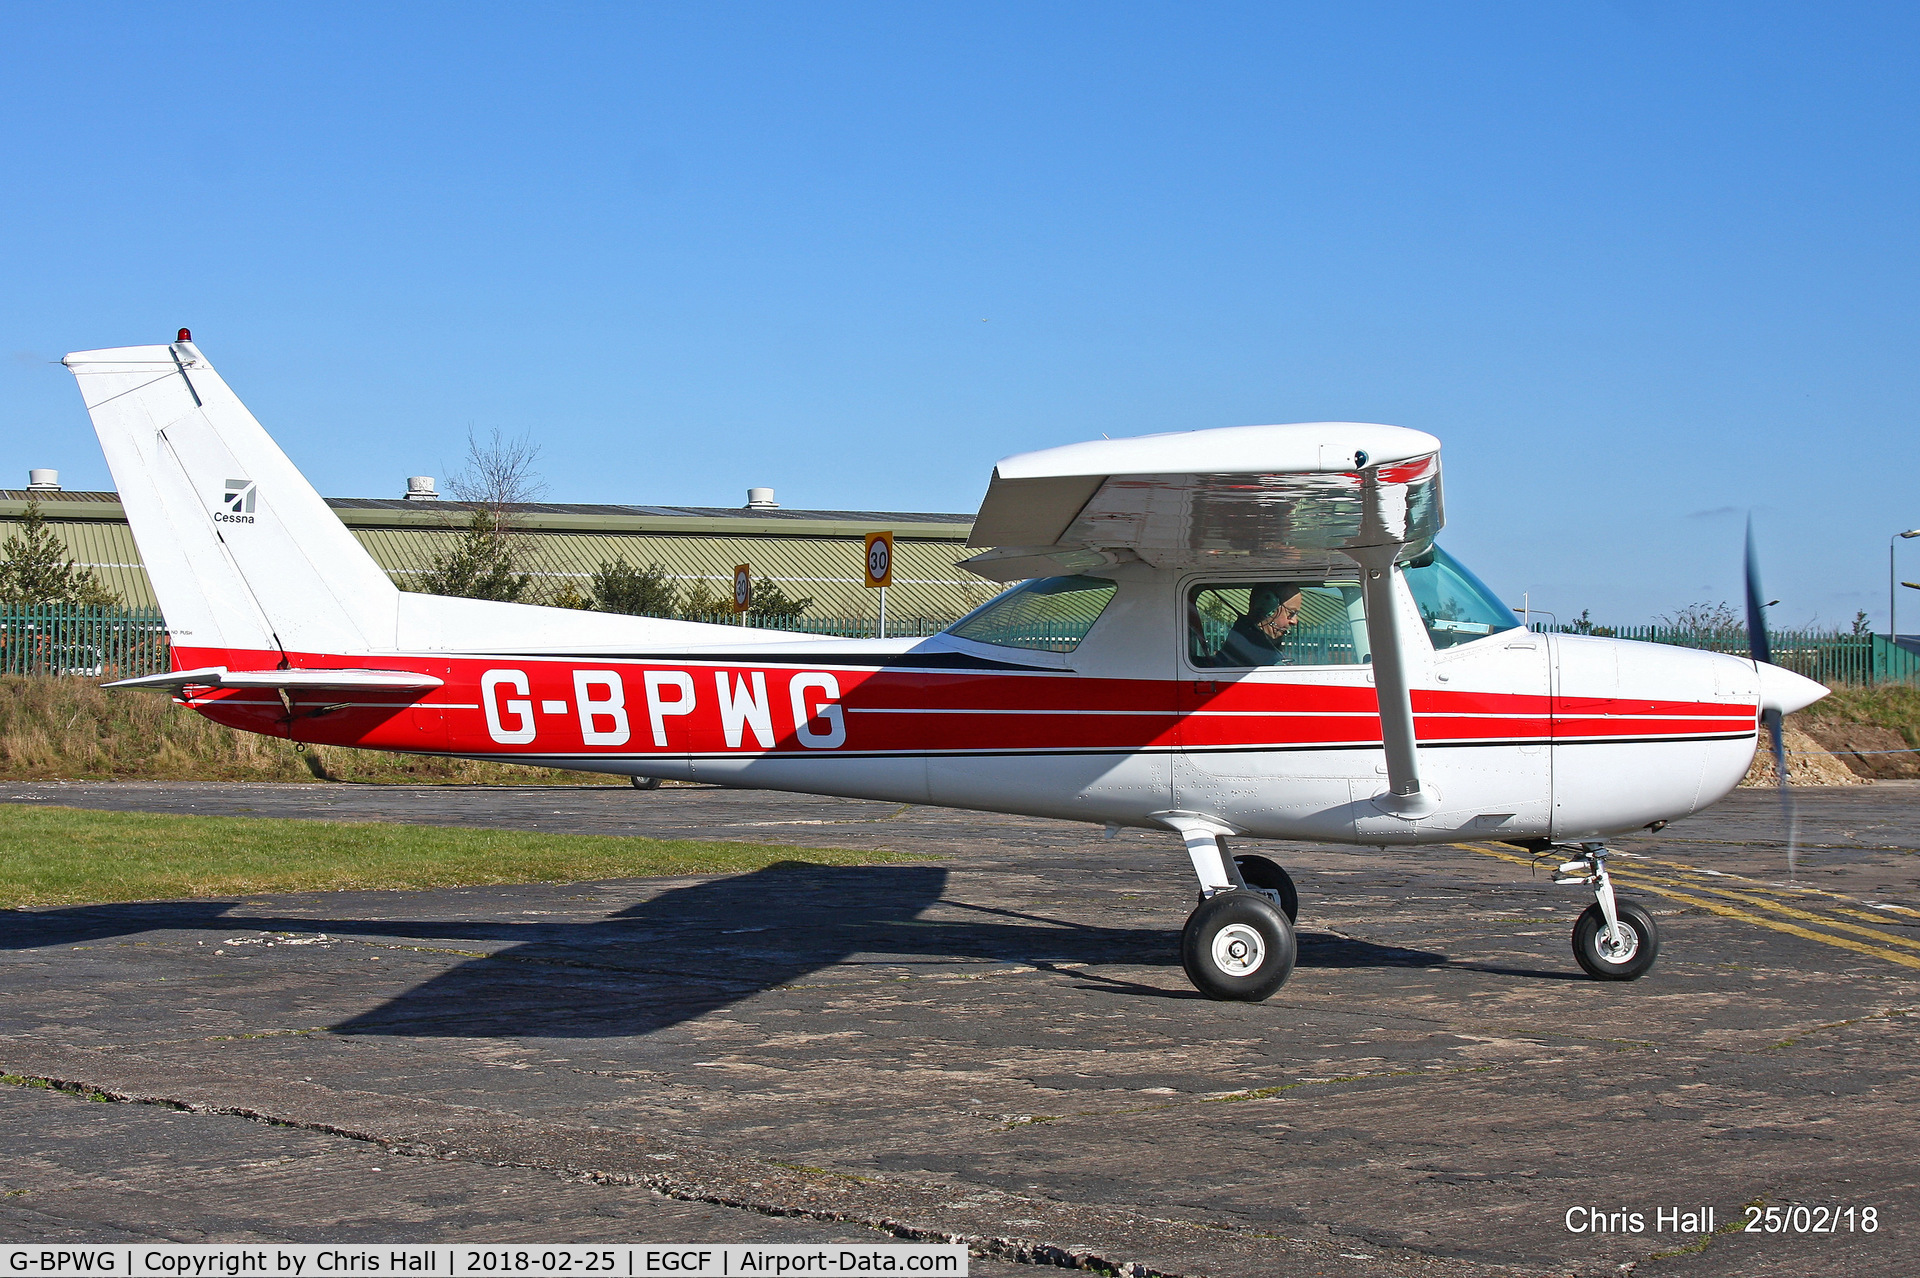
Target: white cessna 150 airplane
point(1235, 632)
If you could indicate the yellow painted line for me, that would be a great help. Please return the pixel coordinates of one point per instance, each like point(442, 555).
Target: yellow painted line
point(1728, 911)
point(1863, 914)
point(1633, 873)
point(1760, 886)
point(1839, 942)
point(1498, 855)
point(1776, 907)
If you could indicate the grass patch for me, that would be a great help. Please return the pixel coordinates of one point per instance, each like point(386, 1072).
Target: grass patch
point(72, 856)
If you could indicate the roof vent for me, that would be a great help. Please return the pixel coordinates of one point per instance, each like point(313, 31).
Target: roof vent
point(761, 499)
point(420, 488)
point(43, 481)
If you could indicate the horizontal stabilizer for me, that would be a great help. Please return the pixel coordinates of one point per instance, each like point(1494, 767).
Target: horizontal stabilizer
point(221, 677)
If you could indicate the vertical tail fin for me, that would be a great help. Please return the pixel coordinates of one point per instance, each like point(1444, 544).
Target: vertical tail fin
point(243, 554)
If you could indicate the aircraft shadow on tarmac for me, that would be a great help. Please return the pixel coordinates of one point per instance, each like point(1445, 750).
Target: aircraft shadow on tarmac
point(692, 950)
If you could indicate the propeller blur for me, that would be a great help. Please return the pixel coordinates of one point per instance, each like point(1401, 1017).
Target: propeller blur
point(1761, 649)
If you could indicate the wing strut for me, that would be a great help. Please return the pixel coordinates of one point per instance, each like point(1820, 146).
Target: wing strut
point(1406, 796)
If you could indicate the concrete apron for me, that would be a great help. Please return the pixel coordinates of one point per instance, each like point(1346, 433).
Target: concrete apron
point(998, 1046)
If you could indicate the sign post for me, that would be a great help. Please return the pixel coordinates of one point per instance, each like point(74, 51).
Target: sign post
point(880, 573)
point(742, 591)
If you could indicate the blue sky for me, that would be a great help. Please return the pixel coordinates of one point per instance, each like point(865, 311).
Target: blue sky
point(1642, 267)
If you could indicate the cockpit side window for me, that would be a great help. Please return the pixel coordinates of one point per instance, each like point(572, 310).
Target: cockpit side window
point(1048, 614)
point(1455, 605)
point(1247, 624)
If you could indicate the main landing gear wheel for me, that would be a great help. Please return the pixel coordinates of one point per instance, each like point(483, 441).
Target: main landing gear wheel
point(1639, 943)
point(645, 783)
point(1237, 946)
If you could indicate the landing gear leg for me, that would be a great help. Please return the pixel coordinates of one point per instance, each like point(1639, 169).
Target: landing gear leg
point(1221, 871)
point(1207, 849)
point(1613, 940)
point(1238, 944)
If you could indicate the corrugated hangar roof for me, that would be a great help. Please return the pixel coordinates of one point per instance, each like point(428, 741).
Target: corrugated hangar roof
point(817, 553)
point(402, 504)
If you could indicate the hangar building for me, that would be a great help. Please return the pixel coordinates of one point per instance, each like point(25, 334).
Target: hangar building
point(808, 553)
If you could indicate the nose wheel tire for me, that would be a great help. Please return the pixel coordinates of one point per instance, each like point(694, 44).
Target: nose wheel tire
point(1237, 946)
point(645, 783)
point(1639, 943)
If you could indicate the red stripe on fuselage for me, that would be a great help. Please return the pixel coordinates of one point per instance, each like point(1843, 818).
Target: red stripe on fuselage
point(895, 709)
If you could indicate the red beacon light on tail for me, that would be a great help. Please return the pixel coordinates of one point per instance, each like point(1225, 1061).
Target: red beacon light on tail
point(185, 336)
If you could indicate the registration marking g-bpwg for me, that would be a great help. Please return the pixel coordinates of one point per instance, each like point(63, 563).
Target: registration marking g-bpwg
point(743, 705)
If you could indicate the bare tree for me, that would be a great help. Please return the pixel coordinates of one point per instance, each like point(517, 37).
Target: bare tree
point(1706, 621)
point(486, 562)
point(499, 474)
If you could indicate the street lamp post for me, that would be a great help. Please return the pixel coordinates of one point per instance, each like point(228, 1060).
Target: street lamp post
point(1893, 586)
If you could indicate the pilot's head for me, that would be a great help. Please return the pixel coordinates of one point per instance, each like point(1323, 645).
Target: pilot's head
point(1273, 607)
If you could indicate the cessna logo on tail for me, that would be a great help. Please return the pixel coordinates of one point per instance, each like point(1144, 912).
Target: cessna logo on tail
point(239, 503)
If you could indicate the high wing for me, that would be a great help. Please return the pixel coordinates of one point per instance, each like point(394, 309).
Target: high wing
point(1294, 497)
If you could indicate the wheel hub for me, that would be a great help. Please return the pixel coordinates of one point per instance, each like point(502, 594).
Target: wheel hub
point(1624, 950)
point(1238, 950)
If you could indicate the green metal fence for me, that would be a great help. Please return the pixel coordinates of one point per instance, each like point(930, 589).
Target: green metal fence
point(829, 627)
point(59, 639)
point(1830, 657)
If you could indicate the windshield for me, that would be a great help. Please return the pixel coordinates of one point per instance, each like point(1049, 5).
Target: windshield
point(1456, 607)
point(1050, 614)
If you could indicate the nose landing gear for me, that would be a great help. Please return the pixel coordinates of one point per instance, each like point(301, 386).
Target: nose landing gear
point(1613, 940)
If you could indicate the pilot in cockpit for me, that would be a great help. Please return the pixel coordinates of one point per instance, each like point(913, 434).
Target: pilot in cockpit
point(1254, 640)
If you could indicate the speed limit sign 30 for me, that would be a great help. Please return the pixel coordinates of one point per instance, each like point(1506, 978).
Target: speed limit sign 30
point(880, 559)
